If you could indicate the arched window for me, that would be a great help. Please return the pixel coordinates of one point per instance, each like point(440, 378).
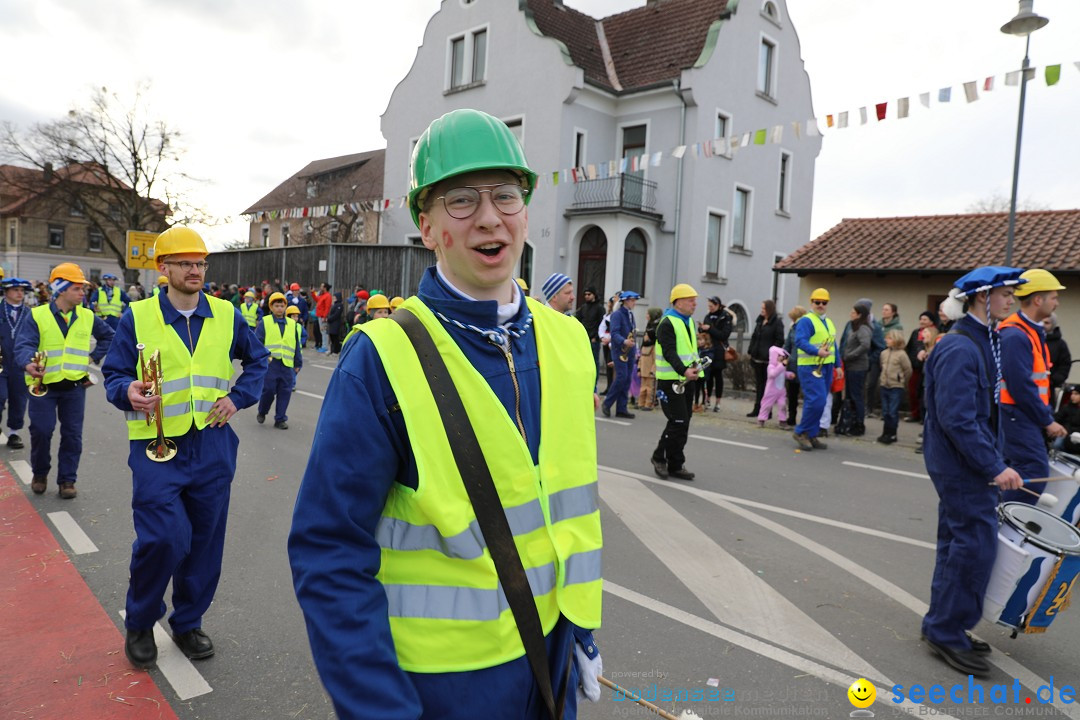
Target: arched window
point(634, 254)
point(769, 8)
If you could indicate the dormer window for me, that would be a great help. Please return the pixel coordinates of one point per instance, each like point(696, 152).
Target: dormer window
point(770, 12)
point(467, 59)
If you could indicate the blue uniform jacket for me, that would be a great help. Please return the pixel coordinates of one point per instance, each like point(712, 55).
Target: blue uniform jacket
point(9, 332)
point(332, 544)
point(298, 358)
point(26, 344)
point(299, 302)
point(804, 330)
point(622, 327)
point(92, 298)
point(119, 367)
point(959, 375)
point(1025, 443)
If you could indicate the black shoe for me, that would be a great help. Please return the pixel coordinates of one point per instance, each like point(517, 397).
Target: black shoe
point(606, 409)
point(281, 425)
point(978, 646)
point(660, 468)
point(753, 413)
point(644, 409)
point(15, 442)
point(627, 415)
point(260, 418)
point(39, 484)
point(966, 661)
point(681, 474)
point(817, 444)
point(804, 442)
point(194, 643)
point(140, 648)
point(883, 439)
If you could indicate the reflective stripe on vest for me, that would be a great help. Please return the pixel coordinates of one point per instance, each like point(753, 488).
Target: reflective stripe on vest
point(446, 610)
point(67, 357)
point(1040, 361)
point(685, 346)
point(107, 308)
point(191, 384)
point(282, 346)
point(250, 313)
point(824, 332)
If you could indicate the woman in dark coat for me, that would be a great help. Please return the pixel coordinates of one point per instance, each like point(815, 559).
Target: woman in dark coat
point(335, 323)
point(768, 332)
point(718, 323)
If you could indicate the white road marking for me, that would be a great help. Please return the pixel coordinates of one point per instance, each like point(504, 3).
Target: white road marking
point(77, 540)
point(311, 395)
point(186, 681)
point(894, 471)
point(23, 470)
point(734, 594)
point(323, 367)
point(780, 511)
point(729, 442)
point(613, 422)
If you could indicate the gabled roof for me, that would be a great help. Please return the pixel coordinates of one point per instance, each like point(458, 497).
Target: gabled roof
point(648, 46)
point(941, 243)
point(348, 178)
point(18, 185)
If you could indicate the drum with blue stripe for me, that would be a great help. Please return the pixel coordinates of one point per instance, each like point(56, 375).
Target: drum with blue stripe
point(1067, 492)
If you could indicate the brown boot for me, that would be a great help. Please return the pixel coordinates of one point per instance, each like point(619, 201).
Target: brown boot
point(39, 483)
point(67, 490)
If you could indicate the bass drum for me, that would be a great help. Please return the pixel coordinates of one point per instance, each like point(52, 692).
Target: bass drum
point(1067, 506)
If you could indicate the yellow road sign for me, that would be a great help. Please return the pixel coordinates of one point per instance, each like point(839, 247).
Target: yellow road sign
point(140, 250)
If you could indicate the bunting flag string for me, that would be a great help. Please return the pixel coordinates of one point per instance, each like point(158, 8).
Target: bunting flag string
point(725, 147)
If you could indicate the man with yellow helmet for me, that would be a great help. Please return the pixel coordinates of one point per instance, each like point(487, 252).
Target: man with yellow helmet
point(815, 343)
point(180, 506)
point(61, 331)
point(677, 363)
point(279, 334)
point(161, 286)
point(1026, 407)
point(397, 585)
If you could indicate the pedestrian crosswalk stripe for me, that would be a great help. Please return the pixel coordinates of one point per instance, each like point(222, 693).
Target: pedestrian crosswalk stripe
point(79, 542)
point(186, 681)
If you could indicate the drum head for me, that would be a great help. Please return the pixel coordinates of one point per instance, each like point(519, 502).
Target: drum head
point(1041, 528)
point(1068, 460)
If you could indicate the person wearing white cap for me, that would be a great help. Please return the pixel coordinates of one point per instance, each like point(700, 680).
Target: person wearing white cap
point(559, 292)
point(623, 353)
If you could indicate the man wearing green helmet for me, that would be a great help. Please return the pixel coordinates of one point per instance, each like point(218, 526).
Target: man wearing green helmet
point(399, 565)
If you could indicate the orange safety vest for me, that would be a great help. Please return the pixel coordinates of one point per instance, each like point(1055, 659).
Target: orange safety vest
point(1040, 360)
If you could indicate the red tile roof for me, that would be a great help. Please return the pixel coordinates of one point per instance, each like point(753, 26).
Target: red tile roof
point(649, 45)
point(348, 178)
point(941, 243)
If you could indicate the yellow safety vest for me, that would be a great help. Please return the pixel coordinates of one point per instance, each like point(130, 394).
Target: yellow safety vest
point(250, 313)
point(824, 331)
point(67, 357)
point(685, 346)
point(191, 384)
point(105, 308)
point(281, 347)
point(157, 291)
point(447, 613)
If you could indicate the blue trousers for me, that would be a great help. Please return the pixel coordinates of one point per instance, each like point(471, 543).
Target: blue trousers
point(70, 406)
point(815, 391)
point(620, 387)
point(890, 407)
point(112, 321)
point(180, 508)
point(13, 393)
point(278, 382)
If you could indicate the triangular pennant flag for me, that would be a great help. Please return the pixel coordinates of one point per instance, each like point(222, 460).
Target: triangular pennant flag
point(971, 93)
point(829, 120)
point(1053, 74)
point(988, 84)
point(944, 95)
point(622, 166)
point(902, 107)
point(591, 172)
point(759, 137)
point(924, 98)
point(573, 174)
point(745, 140)
point(657, 158)
point(862, 115)
point(812, 129)
point(796, 126)
point(1012, 78)
point(707, 149)
point(841, 120)
point(777, 136)
point(678, 152)
point(881, 109)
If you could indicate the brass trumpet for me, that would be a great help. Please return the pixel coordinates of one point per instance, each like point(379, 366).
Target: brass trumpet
point(816, 372)
point(680, 387)
point(38, 389)
point(161, 449)
point(625, 354)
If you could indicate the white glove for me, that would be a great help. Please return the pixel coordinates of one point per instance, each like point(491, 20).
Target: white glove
point(589, 670)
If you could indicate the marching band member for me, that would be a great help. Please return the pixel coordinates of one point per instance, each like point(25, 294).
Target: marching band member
point(250, 310)
point(962, 440)
point(180, 506)
point(109, 301)
point(676, 361)
point(161, 286)
point(12, 386)
point(61, 330)
point(279, 334)
point(815, 359)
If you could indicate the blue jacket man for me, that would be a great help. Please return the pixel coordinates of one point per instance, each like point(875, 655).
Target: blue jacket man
point(280, 379)
point(13, 313)
point(962, 437)
point(623, 343)
point(111, 293)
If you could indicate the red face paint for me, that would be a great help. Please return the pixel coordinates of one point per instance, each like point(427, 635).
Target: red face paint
point(447, 240)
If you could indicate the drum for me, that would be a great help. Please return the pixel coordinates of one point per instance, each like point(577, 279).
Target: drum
point(1067, 493)
point(1037, 564)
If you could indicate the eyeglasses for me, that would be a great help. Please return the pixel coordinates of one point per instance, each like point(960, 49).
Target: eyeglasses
point(462, 202)
point(187, 265)
point(820, 302)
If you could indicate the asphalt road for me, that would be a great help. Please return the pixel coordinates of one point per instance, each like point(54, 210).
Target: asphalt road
point(774, 580)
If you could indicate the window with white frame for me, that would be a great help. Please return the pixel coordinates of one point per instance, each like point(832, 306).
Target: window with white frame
point(723, 129)
point(265, 236)
point(479, 55)
point(95, 241)
point(284, 236)
point(740, 221)
point(635, 253)
point(766, 82)
point(783, 197)
point(714, 240)
point(777, 257)
point(769, 10)
point(468, 59)
point(579, 148)
point(56, 236)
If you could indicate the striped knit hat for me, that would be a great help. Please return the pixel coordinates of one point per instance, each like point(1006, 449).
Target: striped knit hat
point(554, 284)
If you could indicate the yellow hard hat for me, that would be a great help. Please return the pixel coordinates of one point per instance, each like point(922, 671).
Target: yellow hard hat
point(177, 240)
point(682, 290)
point(162, 280)
point(378, 302)
point(292, 310)
point(1038, 280)
point(820, 294)
point(249, 294)
point(68, 271)
point(520, 281)
point(395, 302)
point(275, 297)
point(1, 272)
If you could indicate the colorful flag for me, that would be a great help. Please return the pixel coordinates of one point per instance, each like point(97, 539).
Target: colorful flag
point(678, 152)
point(971, 93)
point(841, 121)
point(829, 120)
point(944, 95)
point(555, 178)
point(759, 137)
point(812, 129)
point(777, 136)
point(720, 146)
point(862, 115)
point(988, 84)
point(1053, 74)
point(881, 108)
point(1012, 78)
point(657, 158)
point(902, 107)
point(745, 140)
point(591, 172)
point(797, 128)
point(924, 98)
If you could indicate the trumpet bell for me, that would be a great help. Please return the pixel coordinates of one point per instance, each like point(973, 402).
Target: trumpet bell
point(816, 372)
point(38, 390)
point(162, 450)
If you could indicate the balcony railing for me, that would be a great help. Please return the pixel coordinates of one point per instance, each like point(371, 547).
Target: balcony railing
point(626, 192)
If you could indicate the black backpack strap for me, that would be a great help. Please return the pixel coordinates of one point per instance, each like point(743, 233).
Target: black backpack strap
point(993, 380)
point(487, 506)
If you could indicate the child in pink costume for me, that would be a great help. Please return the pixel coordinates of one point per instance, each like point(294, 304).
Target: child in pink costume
point(775, 394)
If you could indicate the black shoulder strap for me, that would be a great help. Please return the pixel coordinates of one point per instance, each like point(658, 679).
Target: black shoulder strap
point(990, 376)
point(486, 504)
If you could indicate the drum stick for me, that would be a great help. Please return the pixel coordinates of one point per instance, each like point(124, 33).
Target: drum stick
point(1046, 498)
point(1056, 478)
point(636, 698)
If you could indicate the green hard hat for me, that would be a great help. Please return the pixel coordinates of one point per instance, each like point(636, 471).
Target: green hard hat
point(464, 141)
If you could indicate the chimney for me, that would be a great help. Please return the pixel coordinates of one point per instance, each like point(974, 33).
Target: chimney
point(48, 171)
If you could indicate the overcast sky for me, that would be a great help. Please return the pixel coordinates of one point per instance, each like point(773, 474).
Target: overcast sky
point(259, 89)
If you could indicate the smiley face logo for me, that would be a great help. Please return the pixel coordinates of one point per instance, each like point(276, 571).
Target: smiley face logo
point(862, 693)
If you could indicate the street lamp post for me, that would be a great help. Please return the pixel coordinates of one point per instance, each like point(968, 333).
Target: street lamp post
point(1025, 23)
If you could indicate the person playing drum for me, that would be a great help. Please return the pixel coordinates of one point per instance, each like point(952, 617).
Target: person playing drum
point(962, 442)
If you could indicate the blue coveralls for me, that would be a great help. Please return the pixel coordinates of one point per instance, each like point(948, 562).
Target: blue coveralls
point(279, 381)
point(180, 507)
point(66, 399)
point(962, 456)
point(1025, 442)
point(112, 320)
point(622, 327)
point(335, 555)
point(815, 390)
point(12, 384)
